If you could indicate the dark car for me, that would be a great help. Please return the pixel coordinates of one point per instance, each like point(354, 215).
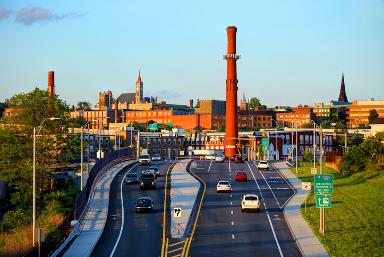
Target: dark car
point(144, 204)
point(132, 178)
point(155, 170)
point(237, 158)
point(147, 181)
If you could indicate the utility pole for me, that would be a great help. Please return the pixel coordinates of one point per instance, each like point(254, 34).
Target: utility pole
point(34, 188)
point(314, 144)
point(81, 158)
point(138, 145)
point(292, 143)
point(297, 150)
point(346, 143)
point(322, 211)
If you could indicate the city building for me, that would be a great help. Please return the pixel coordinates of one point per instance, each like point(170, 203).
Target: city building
point(358, 112)
point(215, 107)
point(300, 115)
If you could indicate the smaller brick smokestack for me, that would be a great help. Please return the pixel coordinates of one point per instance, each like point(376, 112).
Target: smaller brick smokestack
point(191, 103)
point(116, 110)
point(51, 83)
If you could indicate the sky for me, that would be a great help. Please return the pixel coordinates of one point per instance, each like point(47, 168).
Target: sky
point(292, 52)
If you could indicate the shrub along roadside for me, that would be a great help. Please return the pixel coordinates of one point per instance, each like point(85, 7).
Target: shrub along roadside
point(355, 222)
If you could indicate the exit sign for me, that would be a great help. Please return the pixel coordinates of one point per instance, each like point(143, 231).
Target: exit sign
point(323, 183)
point(324, 201)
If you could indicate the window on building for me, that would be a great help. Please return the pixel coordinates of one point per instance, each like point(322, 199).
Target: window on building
point(301, 139)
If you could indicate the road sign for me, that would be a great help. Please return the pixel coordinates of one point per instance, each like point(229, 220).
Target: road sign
point(177, 212)
point(313, 171)
point(265, 144)
point(323, 183)
point(306, 186)
point(324, 201)
point(153, 127)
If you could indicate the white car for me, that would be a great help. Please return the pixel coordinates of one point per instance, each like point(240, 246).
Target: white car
point(144, 159)
point(250, 202)
point(263, 165)
point(156, 157)
point(220, 158)
point(210, 157)
point(223, 185)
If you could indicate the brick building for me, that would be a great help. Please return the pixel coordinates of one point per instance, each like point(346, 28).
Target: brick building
point(300, 115)
point(358, 112)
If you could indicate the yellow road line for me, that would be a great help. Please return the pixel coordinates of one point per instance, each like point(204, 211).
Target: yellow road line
point(198, 211)
point(166, 247)
point(175, 250)
point(177, 243)
point(186, 243)
point(163, 246)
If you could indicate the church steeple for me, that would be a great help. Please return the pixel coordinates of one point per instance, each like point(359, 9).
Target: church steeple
point(243, 103)
point(342, 95)
point(139, 89)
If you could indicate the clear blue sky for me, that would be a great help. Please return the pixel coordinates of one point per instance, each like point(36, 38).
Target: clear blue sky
point(292, 52)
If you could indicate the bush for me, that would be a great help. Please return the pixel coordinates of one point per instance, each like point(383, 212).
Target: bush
point(307, 156)
point(16, 219)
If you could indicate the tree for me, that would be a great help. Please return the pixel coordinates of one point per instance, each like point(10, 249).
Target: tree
point(253, 103)
point(373, 115)
point(2, 108)
point(83, 105)
point(31, 110)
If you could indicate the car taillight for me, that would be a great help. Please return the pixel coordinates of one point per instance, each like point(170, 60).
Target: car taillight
point(153, 183)
point(142, 183)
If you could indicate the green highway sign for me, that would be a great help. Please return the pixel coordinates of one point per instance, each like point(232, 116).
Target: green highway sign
point(153, 127)
point(324, 201)
point(323, 183)
point(265, 144)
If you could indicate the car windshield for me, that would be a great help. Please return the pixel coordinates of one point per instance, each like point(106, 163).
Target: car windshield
point(147, 175)
point(251, 198)
point(241, 173)
point(143, 201)
point(263, 162)
point(145, 156)
point(223, 183)
point(132, 175)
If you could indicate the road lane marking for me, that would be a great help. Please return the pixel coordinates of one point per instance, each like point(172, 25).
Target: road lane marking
point(175, 250)
point(231, 203)
point(233, 236)
point(269, 219)
point(229, 166)
point(274, 196)
point(232, 212)
point(210, 164)
point(177, 243)
point(232, 223)
point(230, 195)
point(289, 184)
point(122, 210)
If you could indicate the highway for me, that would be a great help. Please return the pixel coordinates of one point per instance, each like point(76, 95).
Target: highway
point(141, 233)
point(224, 230)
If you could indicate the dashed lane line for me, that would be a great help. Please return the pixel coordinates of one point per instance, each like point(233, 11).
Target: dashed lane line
point(269, 219)
point(274, 196)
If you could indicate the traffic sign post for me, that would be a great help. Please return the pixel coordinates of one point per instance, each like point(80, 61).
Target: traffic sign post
point(324, 201)
point(323, 183)
point(153, 127)
point(177, 215)
point(306, 186)
point(313, 171)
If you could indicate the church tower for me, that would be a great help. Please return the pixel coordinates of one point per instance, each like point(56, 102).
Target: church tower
point(342, 95)
point(139, 89)
point(243, 103)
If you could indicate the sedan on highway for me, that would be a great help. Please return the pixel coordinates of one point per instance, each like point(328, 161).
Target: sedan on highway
point(241, 176)
point(250, 202)
point(263, 165)
point(132, 178)
point(237, 158)
point(144, 204)
point(144, 159)
point(155, 170)
point(220, 158)
point(147, 181)
point(210, 157)
point(223, 186)
point(156, 157)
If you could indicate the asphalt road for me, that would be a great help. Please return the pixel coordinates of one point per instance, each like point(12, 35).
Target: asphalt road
point(141, 233)
point(224, 230)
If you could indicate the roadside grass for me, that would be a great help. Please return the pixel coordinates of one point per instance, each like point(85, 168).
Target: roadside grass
point(355, 223)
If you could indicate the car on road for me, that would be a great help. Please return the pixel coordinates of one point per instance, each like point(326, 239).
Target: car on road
point(144, 204)
point(223, 186)
point(155, 170)
point(144, 159)
point(132, 178)
point(210, 157)
point(237, 158)
point(156, 157)
point(149, 173)
point(241, 176)
point(250, 202)
point(147, 181)
point(263, 165)
point(219, 158)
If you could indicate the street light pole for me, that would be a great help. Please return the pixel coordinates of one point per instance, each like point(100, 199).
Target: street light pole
point(314, 144)
point(34, 188)
point(81, 159)
point(297, 150)
point(138, 145)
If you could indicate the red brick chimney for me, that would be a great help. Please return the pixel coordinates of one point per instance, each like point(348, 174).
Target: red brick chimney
point(116, 111)
point(51, 83)
point(231, 130)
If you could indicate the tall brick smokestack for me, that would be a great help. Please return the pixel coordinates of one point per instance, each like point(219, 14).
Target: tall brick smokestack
point(51, 83)
point(116, 111)
point(231, 130)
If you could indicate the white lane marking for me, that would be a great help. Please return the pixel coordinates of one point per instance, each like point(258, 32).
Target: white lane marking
point(229, 166)
point(231, 203)
point(230, 195)
point(289, 184)
point(210, 164)
point(269, 219)
point(274, 196)
point(232, 223)
point(122, 211)
point(232, 212)
point(233, 236)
